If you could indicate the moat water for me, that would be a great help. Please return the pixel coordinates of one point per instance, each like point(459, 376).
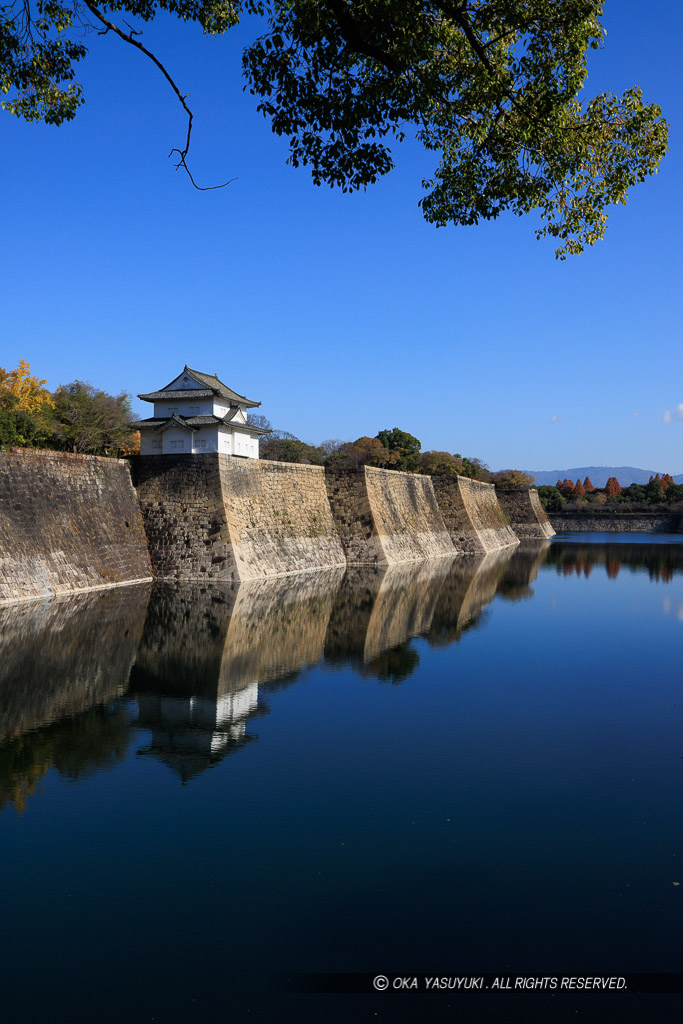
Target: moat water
point(453, 768)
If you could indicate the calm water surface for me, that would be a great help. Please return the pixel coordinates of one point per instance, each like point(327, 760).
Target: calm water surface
point(447, 768)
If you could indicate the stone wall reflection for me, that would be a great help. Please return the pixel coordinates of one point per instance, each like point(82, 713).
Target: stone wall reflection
point(380, 608)
point(62, 664)
point(206, 650)
point(200, 666)
point(522, 570)
point(470, 586)
point(61, 656)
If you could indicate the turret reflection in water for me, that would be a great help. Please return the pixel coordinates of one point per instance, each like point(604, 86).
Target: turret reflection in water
point(207, 657)
point(63, 664)
point(206, 650)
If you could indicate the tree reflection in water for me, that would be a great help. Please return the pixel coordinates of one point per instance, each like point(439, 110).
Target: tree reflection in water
point(191, 666)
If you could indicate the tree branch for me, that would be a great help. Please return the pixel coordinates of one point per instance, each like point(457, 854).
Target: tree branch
point(130, 38)
point(352, 32)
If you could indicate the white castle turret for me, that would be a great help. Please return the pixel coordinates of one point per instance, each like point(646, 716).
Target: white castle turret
point(197, 413)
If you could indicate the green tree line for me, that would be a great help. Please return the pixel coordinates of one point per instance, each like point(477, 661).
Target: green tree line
point(659, 490)
point(388, 449)
point(76, 417)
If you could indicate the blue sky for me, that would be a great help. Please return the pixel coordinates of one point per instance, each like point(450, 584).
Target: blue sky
point(342, 314)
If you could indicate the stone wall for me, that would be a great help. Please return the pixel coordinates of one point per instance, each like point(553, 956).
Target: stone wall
point(216, 518)
point(71, 523)
point(384, 517)
point(523, 507)
point(617, 522)
point(279, 517)
point(185, 519)
point(67, 523)
point(220, 518)
point(473, 516)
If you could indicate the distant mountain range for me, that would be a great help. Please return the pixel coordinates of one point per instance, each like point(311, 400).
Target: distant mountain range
point(598, 475)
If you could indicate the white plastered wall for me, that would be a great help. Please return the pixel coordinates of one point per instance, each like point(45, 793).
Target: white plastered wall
point(206, 439)
point(245, 445)
point(162, 410)
point(176, 441)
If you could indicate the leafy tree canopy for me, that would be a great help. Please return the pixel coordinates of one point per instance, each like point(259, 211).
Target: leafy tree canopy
point(22, 391)
point(513, 478)
point(289, 449)
point(364, 451)
point(25, 408)
point(403, 445)
point(440, 464)
point(489, 86)
point(551, 498)
point(91, 422)
point(474, 468)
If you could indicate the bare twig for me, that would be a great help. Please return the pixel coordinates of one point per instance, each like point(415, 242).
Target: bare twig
point(130, 38)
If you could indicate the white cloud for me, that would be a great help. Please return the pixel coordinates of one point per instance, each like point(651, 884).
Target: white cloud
point(668, 416)
point(557, 419)
point(635, 414)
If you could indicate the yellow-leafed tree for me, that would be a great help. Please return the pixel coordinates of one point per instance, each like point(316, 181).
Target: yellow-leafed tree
point(22, 391)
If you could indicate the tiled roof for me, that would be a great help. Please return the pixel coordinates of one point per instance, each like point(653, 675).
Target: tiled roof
point(162, 396)
point(210, 380)
point(189, 422)
point(209, 385)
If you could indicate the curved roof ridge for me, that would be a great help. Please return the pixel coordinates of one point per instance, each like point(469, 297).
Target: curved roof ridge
point(211, 380)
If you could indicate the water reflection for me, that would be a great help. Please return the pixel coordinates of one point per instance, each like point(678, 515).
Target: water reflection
point(661, 562)
point(379, 609)
point(204, 652)
point(469, 587)
point(62, 662)
point(184, 669)
point(61, 656)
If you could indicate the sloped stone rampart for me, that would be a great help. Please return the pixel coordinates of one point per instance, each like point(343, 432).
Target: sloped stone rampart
point(384, 517)
point(67, 523)
point(350, 504)
point(279, 518)
point(473, 516)
point(71, 523)
point(220, 518)
point(527, 516)
point(185, 517)
point(407, 516)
